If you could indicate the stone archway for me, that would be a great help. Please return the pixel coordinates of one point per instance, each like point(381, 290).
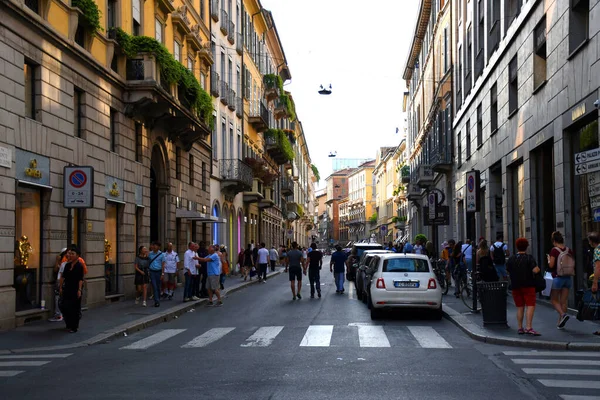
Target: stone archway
point(159, 188)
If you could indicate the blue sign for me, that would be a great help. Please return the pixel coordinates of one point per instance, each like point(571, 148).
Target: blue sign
point(596, 214)
point(383, 228)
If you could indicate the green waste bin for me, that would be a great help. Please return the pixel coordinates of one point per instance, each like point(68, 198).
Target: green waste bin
point(492, 296)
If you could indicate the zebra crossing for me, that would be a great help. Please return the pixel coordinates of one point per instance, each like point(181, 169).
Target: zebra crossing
point(13, 364)
point(562, 370)
point(369, 336)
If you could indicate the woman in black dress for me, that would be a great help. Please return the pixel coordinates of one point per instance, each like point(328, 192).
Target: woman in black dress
point(71, 283)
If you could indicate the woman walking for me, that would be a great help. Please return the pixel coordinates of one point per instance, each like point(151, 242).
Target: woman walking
point(224, 266)
point(456, 264)
point(559, 256)
point(248, 263)
point(71, 285)
point(142, 276)
point(483, 261)
point(522, 268)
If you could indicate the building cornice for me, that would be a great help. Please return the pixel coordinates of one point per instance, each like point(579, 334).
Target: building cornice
point(417, 42)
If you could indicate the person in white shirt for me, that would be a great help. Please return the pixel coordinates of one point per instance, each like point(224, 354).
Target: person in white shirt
point(273, 257)
point(467, 250)
point(190, 266)
point(418, 248)
point(171, 265)
point(263, 261)
point(59, 267)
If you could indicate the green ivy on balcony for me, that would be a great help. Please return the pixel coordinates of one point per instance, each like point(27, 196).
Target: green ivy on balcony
point(300, 210)
point(172, 70)
point(90, 20)
point(282, 142)
point(315, 172)
point(273, 81)
point(373, 218)
point(288, 104)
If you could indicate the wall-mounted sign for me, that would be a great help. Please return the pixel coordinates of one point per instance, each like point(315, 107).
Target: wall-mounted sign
point(595, 202)
point(442, 216)
point(114, 189)
point(5, 157)
point(139, 195)
point(432, 204)
point(32, 168)
point(473, 191)
point(587, 156)
point(596, 214)
point(78, 187)
point(586, 168)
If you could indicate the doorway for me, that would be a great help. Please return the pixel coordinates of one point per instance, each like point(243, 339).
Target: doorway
point(543, 210)
point(158, 194)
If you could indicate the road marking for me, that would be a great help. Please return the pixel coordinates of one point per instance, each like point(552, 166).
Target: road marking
point(351, 291)
point(207, 338)
point(153, 339)
point(428, 338)
point(570, 384)
point(549, 362)
point(372, 336)
point(577, 397)
point(551, 353)
point(8, 374)
point(317, 336)
point(24, 356)
point(263, 337)
point(562, 371)
point(23, 363)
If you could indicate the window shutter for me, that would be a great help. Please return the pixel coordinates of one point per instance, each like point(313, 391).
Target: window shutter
point(136, 11)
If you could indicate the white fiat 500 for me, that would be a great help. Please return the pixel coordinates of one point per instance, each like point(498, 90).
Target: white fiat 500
point(403, 281)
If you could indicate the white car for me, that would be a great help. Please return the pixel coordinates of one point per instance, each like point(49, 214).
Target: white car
point(403, 281)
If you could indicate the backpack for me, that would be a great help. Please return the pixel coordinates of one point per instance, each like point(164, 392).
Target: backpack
point(565, 263)
point(499, 255)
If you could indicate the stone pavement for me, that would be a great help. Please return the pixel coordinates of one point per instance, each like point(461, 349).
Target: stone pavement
point(104, 323)
point(576, 335)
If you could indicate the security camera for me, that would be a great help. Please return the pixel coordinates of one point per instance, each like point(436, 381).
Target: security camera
point(597, 103)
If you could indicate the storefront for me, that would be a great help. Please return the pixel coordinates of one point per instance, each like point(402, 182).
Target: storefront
point(115, 201)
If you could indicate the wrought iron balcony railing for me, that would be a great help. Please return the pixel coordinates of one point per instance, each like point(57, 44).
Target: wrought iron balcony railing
point(215, 84)
point(231, 32)
point(235, 174)
point(239, 45)
point(224, 22)
point(224, 92)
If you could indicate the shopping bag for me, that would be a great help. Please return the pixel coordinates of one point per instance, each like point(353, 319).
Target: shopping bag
point(548, 279)
point(589, 307)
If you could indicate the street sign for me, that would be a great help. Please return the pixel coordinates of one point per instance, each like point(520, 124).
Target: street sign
point(432, 203)
point(594, 190)
point(595, 202)
point(78, 187)
point(473, 190)
point(596, 214)
point(442, 216)
point(383, 229)
point(587, 156)
point(593, 178)
point(581, 169)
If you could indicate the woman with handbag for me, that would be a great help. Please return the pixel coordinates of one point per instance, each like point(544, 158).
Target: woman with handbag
point(142, 275)
point(522, 269)
point(71, 286)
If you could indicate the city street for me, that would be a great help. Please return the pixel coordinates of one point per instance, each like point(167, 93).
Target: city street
point(263, 345)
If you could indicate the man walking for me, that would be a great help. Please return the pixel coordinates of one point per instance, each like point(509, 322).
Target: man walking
point(294, 260)
point(315, 262)
point(200, 290)
point(338, 267)
point(467, 250)
point(262, 261)
point(213, 268)
point(273, 257)
point(190, 270)
point(157, 270)
point(499, 252)
point(171, 265)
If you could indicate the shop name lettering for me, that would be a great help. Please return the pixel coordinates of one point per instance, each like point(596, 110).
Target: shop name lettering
point(114, 191)
point(32, 171)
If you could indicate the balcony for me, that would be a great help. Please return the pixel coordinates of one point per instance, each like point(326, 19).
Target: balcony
point(214, 10)
point(267, 200)
point(425, 175)
point(441, 159)
point(414, 192)
point(224, 22)
point(215, 84)
point(272, 83)
point(287, 186)
point(281, 109)
point(259, 119)
point(151, 98)
point(255, 194)
point(231, 33)
point(236, 176)
point(239, 107)
point(278, 146)
point(292, 211)
point(405, 174)
point(231, 99)
point(224, 92)
point(239, 45)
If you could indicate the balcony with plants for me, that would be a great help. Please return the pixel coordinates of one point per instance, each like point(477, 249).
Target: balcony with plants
point(405, 173)
point(259, 117)
point(162, 92)
point(293, 210)
point(399, 193)
point(273, 86)
point(236, 176)
point(278, 146)
point(283, 107)
point(399, 221)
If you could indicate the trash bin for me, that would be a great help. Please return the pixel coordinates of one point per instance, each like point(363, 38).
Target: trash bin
point(492, 296)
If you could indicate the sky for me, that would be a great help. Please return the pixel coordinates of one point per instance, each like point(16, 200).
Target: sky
point(358, 47)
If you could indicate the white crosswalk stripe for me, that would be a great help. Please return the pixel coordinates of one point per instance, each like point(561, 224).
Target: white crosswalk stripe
point(577, 397)
point(9, 374)
point(371, 336)
point(153, 340)
point(24, 361)
point(428, 338)
point(208, 337)
point(263, 337)
point(317, 336)
point(537, 361)
point(30, 356)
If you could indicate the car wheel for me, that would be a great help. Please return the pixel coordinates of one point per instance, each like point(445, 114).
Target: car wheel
point(369, 303)
point(359, 293)
point(437, 314)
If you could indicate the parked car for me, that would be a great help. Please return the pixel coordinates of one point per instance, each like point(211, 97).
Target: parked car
point(401, 281)
point(355, 253)
point(361, 272)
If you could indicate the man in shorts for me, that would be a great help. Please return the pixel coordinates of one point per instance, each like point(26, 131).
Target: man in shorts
point(294, 260)
point(213, 270)
point(170, 279)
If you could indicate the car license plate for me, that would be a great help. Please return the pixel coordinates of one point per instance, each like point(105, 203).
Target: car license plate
point(406, 284)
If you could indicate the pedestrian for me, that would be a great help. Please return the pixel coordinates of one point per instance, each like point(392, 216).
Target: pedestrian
point(190, 268)
point(240, 262)
point(337, 265)
point(294, 260)
point(594, 240)
point(408, 248)
point(157, 270)
point(429, 249)
point(200, 282)
point(171, 266)
point(273, 257)
point(248, 262)
point(449, 249)
point(213, 268)
point(315, 263)
point(418, 247)
point(561, 264)
point(224, 266)
point(522, 269)
point(499, 253)
point(59, 267)
point(254, 254)
point(467, 250)
point(457, 266)
point(71, 287)
point(283, 257)
point(484, 263)
point(262, 262)
point(304, 258)
point(142, 275)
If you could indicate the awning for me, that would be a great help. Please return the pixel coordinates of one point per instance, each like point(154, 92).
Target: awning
point(197, 216)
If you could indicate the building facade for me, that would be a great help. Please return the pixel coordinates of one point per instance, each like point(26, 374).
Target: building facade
point(386, 182)
point(337, 190)
point(361, 201)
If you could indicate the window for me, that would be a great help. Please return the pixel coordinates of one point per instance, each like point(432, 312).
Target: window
point(513, 86)
point(232, 145)
point(479, 127)
point(494, 109)
point(113, 130)
point(138, 142)
point(204, 176)
point(136, 11)
point(80, 35)
point(203, 80)
point(579, 20)
point(446, 50)
point(29, 71)
point(190, 64)
point(459, 78)
point(539, 55)
point(493, 8)
point(224, 138)
point(178, 163)
point(33, 5)
point(468, 138)
point(458, 150)
point(405, 265)
point(78, 112)
point(158, 30)
point(177, 50)
point(214, 140)
point(468, 61)
point(201, 6)
point(111, 14)
point(191, 170)
point(511, 11)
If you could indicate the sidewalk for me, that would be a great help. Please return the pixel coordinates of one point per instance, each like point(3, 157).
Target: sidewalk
point(104, 323)
point(576, 335)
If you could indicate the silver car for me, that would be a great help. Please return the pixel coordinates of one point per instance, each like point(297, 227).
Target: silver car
point(403, 281)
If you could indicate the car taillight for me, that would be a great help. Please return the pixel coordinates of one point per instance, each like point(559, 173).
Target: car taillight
point(432, 284)
point(380, 283)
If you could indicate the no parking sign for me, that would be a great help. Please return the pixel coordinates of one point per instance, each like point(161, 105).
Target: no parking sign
point(473, 190)
point(78, 187)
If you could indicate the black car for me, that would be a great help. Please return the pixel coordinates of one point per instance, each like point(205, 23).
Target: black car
point(355, 253)
point(361, 272)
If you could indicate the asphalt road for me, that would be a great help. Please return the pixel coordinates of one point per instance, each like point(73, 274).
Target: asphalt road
point(263, 345)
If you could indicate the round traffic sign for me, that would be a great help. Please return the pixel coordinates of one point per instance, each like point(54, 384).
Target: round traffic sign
point(78, 178)
point(471, 183)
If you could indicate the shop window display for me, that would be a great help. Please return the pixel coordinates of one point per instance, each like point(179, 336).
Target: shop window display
point(111, 270)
